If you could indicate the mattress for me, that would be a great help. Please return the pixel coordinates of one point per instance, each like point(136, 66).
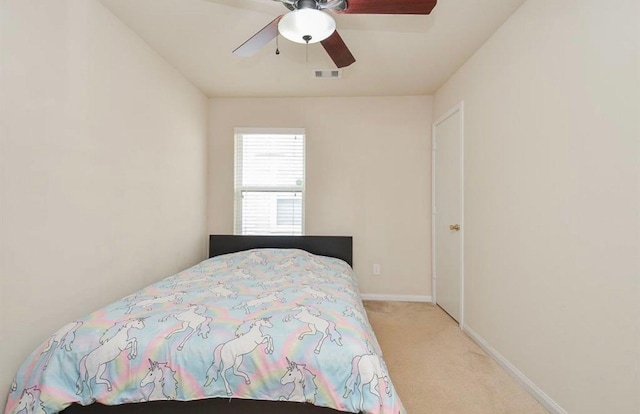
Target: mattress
point(264, 324)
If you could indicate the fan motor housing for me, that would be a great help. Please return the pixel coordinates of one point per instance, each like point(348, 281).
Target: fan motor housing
point(334, 5)
point(307, 4)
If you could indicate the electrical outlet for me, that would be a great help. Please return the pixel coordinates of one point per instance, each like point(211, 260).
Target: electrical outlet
point(376, 269)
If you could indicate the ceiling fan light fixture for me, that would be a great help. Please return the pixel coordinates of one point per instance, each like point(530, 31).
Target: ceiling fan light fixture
point(307, 26)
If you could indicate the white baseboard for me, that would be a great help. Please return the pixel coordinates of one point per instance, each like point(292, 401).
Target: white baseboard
point(528, 385)
point(396, 298)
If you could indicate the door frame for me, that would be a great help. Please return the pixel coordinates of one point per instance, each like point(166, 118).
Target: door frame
point(458, 108)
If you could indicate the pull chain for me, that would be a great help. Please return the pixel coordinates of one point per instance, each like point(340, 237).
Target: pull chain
point(307, 38)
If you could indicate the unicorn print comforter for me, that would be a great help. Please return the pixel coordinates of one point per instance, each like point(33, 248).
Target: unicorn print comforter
point(267, 324)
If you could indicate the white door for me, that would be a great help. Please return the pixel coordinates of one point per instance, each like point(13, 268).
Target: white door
point(448, 212)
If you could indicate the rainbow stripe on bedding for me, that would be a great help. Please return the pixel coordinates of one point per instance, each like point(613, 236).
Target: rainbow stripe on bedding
point(265, 324)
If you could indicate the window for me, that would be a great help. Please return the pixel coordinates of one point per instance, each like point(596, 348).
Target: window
point(269, 182)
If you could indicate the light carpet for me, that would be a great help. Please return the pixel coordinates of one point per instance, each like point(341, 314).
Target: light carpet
point(436, 368)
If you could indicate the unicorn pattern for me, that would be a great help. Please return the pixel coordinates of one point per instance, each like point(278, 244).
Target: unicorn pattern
point(317, 294)
point(131, 298)
point(229, 354)
point(367, 369)
point(94, 364)
point(29, 402)
point(262, 300)
point(362, 319)
point(286, 264)
point(187, 283)
point(311, 317)
point(311, 277)
point(314, 264)
point(348, 291)
point(62, 339)
point(355, 313)
point(164, 385)
point(221, 291)
point(211, 266)
point(304, 386)
point(243, 274)
point(148, 304)
point(255, 258)
point(193, 320)
point(134, 361)
point(271, 283)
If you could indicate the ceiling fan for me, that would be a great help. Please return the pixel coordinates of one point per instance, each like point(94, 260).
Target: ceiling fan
point(308, 22)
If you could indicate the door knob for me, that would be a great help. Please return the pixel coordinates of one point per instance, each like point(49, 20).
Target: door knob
point(455, 227)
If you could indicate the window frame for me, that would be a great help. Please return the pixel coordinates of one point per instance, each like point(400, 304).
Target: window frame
point(238, 189)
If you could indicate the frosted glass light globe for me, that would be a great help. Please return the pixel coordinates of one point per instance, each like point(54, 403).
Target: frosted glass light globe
point(298, 24)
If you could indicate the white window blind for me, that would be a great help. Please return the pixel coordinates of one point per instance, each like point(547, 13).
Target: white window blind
point(269, 182)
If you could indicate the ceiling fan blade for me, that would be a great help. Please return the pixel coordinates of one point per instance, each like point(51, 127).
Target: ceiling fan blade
point(338, 50)
point(259, 40)
point(390, 7)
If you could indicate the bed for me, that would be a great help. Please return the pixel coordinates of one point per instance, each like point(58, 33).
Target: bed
point(266, 324)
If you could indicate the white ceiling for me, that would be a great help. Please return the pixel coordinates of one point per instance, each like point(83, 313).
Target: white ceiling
point(395, 55)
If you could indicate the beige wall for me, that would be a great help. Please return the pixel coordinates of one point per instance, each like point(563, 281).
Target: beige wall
point(368, 172)
point(552, 201)
point(102, 169)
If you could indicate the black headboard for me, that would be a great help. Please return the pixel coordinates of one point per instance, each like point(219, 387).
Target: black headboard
point(340, 247)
